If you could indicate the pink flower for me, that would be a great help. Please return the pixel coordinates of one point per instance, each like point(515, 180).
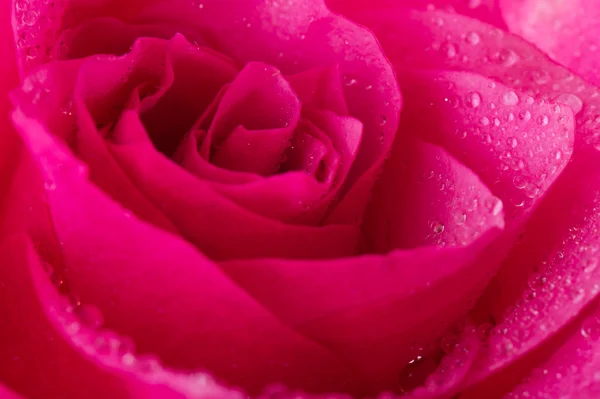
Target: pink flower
point(231, 198)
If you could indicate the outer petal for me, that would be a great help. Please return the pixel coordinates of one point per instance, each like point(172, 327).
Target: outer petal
point(45, 353)
point(516, 144)
point(438, 40)
point(159, 290)
point(573, 371)
point(418, 40)
point(565, 30)
point(485, 10)
point(548, 278)
point(370, 309)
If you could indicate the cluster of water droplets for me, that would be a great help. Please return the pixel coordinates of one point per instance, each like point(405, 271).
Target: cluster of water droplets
point(558, 287)
point(37, 24)
point(495, 54)
point(84, 325)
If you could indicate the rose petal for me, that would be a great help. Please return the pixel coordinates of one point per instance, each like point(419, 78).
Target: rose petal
point(484, 10)
point(44, 357)
point(446, 379)
point(370, 309)
point(219, 227)
point(572, 371)
point(51, 87)
point(516, 144)
point(9, 147)
point(5, 393)
point(188, 156)
point(254, 122)
point(125, 268)
point(414, 40)
point(566, 31)
point(552, 275)
point(442, 208)
point(308, 36)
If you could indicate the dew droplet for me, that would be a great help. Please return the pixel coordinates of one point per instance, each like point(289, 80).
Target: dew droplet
point(537, 281)
point(512, 142)
point(525, 115)
point(473, 99)
point(448, 49)
point(495, 205)
point(90, 315)
point(571, 100)
point(510, 98)
point(484, 120)
point(506, 57)
point(460, 218)
point(472, 38)
point(29, 17)
point(542, 120)
point(519, 182)
point(437, 227)
point(590, 328)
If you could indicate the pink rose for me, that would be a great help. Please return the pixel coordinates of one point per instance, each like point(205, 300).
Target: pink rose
point(300, 198)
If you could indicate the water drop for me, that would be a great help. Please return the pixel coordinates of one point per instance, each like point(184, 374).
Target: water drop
point(350, 82)
point(590, 265)
point(512, 142)
point(473, 99)
point(540, 77)
point(448, 49)
point(495, 205)
point(525, 115)
point(29, 17)
point(472, 38)
point(542, 120)
point(510, 98)
point(571, 100)
point(506, 57)
point(537, 281)
point(460, 218)
point(519, 182)
point(484, 121)
point(590, 328)
point(437, 227)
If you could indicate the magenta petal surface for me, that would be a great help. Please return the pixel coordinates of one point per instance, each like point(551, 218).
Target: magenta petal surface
point(448, 205)
point(48, 353)
point(370, 309)
point(215, 224)
point(566, 31)
point(125, 268)
point(573, 370)
point(517, 144)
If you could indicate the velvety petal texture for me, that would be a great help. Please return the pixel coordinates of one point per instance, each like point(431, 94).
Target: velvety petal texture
point(300, 199)
point(566, 31)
